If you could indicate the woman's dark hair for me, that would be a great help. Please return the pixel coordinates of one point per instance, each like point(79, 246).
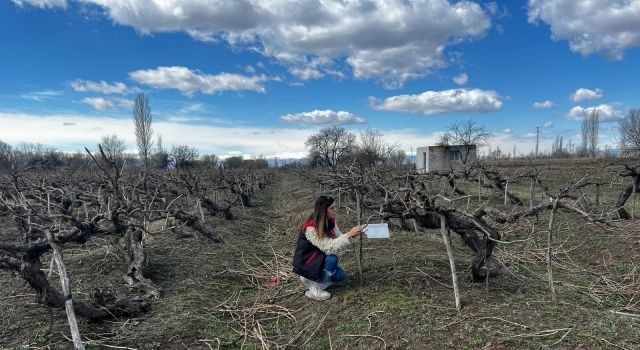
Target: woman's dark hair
point(319, 214)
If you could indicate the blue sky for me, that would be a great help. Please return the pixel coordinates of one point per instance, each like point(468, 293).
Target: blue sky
point(249, 77)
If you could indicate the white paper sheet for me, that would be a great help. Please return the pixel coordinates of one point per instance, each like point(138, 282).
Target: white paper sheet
point(377, 231)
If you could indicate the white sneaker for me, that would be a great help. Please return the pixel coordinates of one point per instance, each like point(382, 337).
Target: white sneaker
point(305, 282)
point(316, 293)
point(325, 285)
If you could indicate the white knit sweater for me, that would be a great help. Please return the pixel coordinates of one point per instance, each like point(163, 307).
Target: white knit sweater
point(328, 245)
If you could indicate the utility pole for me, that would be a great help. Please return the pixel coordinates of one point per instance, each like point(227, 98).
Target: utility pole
point(537, 139)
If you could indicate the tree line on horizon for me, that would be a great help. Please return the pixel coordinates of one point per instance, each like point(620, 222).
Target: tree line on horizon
point(329, 146)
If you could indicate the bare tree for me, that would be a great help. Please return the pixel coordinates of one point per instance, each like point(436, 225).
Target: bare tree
point(209, 159)
point(36, 154)
point(624, 149)
point(142, 121)
point(590, 128)
point(161, 157)
point(184, 155)
point(557, 148)
point(398, 158)
point(159, 148)
point(465, 134)
point(113, 147)
point(331, 146)
point(372, 149)
point(5, 153)
point(233, 162)
point(630, 131)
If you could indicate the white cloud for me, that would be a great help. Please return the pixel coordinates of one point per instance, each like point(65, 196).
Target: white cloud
point(410, 139)
point(42, 3)
point(71, 132)
point(190, 81)
point(100, 87)
point(193, 108)
point(323, 117)
point(192, 113)
point(50, 130)
point(386, 40)
point(99, 103)
point(123, 102)
point(202, 36)
point(106, 104)
point(507, 131)
point(547, 125)
point(441, 102)
point(583, 94)
point(185, 119)
point(40, 96)
point(606, 113)
point(608, 27)
point(543, 105)
point(461, 79)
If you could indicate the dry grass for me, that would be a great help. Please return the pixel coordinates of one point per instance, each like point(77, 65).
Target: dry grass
point(243, 294)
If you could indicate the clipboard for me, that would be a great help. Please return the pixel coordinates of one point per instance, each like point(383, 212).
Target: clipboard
point(377, 231)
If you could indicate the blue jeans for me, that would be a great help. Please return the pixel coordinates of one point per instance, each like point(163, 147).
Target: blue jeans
point(333, 272)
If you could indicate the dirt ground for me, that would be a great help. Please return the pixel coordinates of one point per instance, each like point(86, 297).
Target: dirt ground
point(243, 295)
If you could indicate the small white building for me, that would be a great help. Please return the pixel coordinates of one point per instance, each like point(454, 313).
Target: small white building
point(444, 158)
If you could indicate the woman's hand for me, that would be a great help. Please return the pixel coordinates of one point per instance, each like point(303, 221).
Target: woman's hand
point(356, 230)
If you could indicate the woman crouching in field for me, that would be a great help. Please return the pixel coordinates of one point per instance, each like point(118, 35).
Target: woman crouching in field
point(319, 244)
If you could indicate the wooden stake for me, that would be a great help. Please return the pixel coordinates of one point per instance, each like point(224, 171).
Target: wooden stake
point(633, 202)
point(479, 187)
point(552, 288)
point(359, 248)
point(506, 188)
point(29, 224)
point(241, 203)
point(533, 186)
point(199, 209)
point(444, 230)
point(66, 290)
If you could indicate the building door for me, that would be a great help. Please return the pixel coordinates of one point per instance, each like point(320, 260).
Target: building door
point(424, 161)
